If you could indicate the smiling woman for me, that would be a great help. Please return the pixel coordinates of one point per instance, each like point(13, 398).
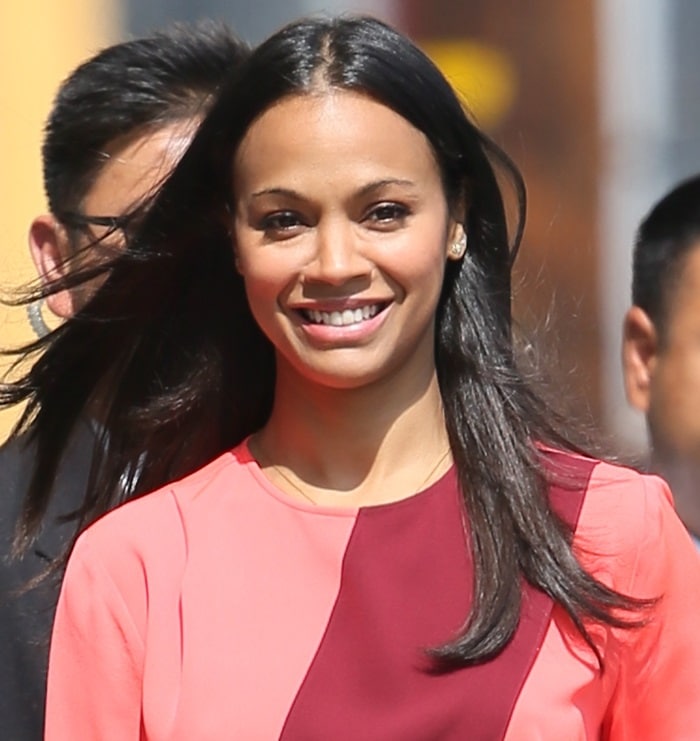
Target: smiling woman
point(341, 235)
point(376, 530)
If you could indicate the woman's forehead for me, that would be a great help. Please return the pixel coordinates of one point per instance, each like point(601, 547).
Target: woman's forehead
point(326, 131)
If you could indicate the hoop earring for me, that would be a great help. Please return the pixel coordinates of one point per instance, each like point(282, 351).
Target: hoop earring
point(36, 318)
point(458, 247)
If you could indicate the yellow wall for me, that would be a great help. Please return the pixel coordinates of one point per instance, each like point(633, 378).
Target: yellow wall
point(40, 42)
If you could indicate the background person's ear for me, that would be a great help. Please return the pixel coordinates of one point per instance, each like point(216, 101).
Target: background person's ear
point(49, 248)
point(639, 355)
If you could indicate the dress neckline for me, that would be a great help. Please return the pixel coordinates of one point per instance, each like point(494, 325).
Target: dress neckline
point(244, 456)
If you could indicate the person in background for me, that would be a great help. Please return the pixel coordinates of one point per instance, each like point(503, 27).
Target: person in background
point(118, 125)
point(661, 343)
point(366, 524)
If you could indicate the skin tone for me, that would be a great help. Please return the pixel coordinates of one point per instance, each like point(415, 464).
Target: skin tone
point(133, 167)
point(341, 232)
point(662, 379)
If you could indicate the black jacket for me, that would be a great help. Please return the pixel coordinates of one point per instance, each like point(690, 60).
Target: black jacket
point(25, 619)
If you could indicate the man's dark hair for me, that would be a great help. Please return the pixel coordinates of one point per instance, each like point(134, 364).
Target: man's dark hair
point(665, 237)
point(126, 89)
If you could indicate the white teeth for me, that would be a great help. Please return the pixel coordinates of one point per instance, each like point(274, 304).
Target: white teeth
point(342, 318)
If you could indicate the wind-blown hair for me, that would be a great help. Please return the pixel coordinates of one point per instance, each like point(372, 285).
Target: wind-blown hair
point(168, 350)
point(665, 237)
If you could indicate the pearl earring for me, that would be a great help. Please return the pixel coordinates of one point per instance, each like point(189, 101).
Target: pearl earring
point(459, 246)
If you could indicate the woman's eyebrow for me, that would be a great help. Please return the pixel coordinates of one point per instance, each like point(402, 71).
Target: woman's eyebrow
point(378, 184)
point(288, 192)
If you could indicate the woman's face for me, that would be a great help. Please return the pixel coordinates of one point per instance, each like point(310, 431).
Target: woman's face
point(341, 232)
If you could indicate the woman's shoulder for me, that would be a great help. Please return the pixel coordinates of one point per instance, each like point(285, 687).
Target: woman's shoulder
point(612, 487)
point(610, 490)
point(628, 532)
point(630, 500)
point(132, 560)
point(150, 522)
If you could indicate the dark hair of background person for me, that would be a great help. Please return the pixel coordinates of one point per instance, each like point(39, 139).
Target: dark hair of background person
point(182, 372)
point(126, 90)
point(667, 234)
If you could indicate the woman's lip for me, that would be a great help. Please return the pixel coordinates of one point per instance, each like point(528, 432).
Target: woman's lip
point(329, 334)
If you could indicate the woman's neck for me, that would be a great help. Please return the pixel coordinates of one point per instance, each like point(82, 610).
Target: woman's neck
point(362, 446)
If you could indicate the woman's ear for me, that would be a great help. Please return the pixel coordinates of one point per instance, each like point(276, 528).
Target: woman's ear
point(457, 242)
point(457, 238)
point(50, 248)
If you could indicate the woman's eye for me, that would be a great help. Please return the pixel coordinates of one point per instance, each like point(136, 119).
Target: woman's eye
point(388, 213)
point(280, 221)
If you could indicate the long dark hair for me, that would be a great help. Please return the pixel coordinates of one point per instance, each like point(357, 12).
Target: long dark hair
point(169, 353)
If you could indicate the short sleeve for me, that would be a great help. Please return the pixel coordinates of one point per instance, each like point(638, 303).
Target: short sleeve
point(96, 657)
point(657, 693)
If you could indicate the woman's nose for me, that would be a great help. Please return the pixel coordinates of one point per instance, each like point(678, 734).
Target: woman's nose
point(338, 256)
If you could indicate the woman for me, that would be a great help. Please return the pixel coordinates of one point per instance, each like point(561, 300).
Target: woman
point(394, 543)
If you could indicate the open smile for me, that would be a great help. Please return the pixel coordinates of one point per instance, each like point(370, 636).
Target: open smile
point(344, 317)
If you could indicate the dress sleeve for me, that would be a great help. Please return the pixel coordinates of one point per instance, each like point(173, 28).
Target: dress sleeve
point(657, 693)
point(96, 657)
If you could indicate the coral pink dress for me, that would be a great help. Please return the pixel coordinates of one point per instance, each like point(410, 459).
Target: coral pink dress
point(221, 608)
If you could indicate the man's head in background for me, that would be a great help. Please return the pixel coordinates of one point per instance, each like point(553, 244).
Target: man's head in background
point(118, 125)
point(661, 341)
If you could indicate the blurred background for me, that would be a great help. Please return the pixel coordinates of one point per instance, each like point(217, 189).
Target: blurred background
point(595, 101)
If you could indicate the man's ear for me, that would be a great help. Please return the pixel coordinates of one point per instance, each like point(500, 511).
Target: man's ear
point(49, 248)
point(640, 347)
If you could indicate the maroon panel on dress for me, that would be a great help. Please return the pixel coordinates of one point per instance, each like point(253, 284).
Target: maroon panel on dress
point(406, 586)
